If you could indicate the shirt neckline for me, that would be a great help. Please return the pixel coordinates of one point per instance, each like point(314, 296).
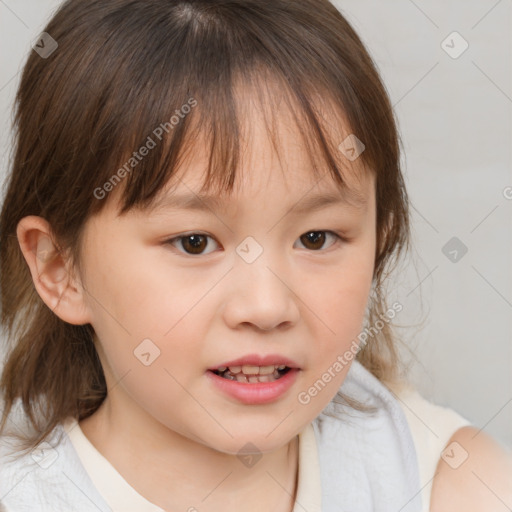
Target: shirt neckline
point(122, 497)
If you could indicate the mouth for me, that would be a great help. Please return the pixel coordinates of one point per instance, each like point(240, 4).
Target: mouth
point(255, 379)
point(250, 374)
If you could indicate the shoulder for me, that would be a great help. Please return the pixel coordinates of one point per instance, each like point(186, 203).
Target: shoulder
point(474, 474)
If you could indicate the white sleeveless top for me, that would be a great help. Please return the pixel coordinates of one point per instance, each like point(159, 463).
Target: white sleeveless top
point(429, 439)
point(354, 461)
point(431, 426)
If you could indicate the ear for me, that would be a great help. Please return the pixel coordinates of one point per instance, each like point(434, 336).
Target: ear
point(50, 271)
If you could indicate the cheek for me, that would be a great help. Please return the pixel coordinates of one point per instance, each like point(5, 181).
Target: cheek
point(342, 315)
point(137, 289)
point(341, 294)
point(339, 300)
point(140, 309)
point(342, 309)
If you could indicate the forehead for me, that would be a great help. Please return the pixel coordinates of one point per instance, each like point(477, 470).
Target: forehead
point(302, 198)
point(275, 145)
point(273, 153)
point(291, 182)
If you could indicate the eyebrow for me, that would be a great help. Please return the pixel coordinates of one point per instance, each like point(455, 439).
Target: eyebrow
point(312, 202)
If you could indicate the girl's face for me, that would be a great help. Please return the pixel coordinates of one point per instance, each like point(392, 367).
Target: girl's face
point(266, 275)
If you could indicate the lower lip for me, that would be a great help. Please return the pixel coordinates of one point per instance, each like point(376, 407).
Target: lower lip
point(255, 393)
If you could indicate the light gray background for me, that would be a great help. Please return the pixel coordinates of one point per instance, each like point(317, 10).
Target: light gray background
point(455, 119)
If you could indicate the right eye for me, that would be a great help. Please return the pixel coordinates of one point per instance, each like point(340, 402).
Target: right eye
point(192, 243)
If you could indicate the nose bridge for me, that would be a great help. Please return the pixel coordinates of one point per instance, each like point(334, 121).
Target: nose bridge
point(260, 294)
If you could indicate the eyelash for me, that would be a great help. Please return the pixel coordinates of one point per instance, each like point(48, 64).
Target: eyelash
point(170, 241)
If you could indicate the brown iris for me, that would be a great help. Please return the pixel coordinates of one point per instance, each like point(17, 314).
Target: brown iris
point(195, 244)
point(313, 238)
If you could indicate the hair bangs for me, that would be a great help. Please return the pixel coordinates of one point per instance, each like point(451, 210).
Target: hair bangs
point(220, 121)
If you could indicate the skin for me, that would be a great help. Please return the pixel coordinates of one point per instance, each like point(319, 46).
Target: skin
point(483, 483)
point(306, 302)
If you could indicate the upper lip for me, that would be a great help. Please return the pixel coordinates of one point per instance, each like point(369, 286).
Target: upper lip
point(259, 360)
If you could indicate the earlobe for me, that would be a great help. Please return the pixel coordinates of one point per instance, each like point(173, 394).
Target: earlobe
point(49, 269)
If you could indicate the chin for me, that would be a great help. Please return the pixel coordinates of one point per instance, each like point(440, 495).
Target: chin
point(253, 440)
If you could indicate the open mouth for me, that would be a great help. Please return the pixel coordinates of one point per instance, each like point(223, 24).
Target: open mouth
point(252, 374)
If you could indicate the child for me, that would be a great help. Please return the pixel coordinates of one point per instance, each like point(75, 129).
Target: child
point(204, 199)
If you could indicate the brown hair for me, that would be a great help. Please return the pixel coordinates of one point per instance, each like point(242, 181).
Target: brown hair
point(122, 68)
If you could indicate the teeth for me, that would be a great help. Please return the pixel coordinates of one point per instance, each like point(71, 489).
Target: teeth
point(267, 370)
point(269, 376)
point(252, 379)
point(253, 370)
point(252, 374)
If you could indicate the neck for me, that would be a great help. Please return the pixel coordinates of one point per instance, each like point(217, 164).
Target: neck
point(177, 473)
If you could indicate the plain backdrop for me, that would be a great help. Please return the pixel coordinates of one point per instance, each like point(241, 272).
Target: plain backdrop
point(455, 116)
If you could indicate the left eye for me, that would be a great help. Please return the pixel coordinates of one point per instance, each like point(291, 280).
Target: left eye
point(315, 239)
point(195, 243)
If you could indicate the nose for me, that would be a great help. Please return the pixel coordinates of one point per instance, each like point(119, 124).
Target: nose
point(262, 296)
